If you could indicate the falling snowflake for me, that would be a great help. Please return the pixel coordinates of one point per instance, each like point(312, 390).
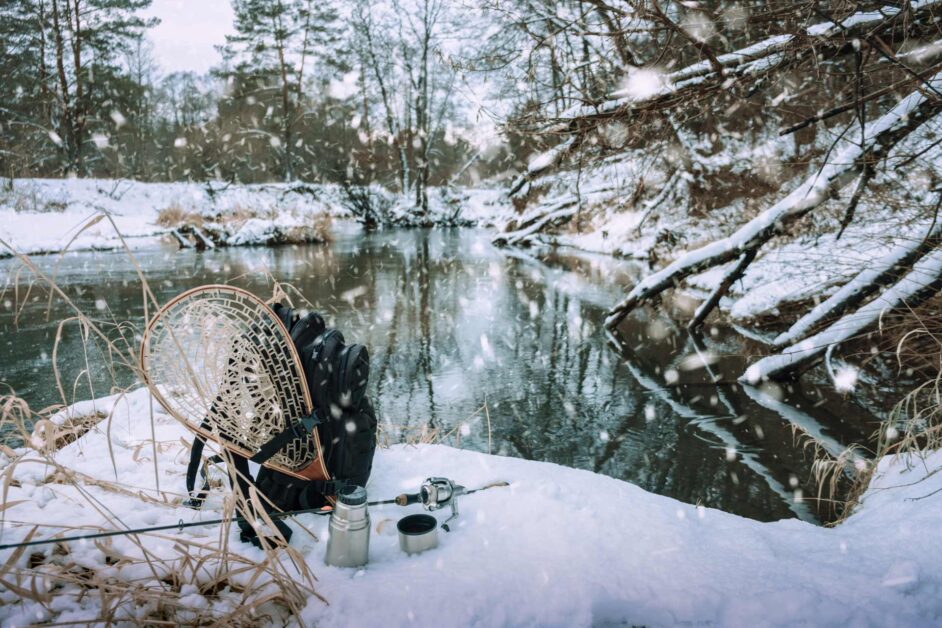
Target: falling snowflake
point(845, 379)
point(345, 87)
point(649, 412)
point(642, 83)
point(671, 376)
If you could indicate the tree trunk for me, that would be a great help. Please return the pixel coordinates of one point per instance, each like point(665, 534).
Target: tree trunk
point(422, 118)
point(66, 135)
point(43, 72)
point(79, 117)
point(286, 113)
point(391, 125)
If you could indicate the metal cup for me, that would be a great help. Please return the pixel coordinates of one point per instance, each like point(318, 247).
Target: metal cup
point(417, 533)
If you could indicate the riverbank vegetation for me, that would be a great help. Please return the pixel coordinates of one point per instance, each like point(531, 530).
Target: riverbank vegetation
point(792, 151)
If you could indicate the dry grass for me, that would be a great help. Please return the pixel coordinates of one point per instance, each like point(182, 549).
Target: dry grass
point(26, 197)
point(914, 426)
point(321, 231)
point(222, 225)
point(51, 437)
point(391, 434)
point(174, 216)
point(150, 583)
point(324, 227)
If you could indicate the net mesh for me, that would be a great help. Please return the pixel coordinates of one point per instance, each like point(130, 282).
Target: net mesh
point(219, 360)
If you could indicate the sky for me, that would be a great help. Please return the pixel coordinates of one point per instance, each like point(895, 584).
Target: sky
point(188, 30)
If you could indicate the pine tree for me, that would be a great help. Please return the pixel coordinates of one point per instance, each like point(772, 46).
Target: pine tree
point(275, 40)
point(66, 61)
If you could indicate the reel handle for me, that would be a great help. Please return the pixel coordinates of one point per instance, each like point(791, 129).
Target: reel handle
point(408, 498)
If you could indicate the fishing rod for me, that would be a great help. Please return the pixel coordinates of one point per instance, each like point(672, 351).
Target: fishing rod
point(435, 493)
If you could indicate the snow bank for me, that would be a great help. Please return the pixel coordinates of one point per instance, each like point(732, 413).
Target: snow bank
point(558, 547)
point(43, 215)
point(658, 226)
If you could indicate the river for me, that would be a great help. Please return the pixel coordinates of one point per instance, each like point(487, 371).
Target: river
point(455, 325)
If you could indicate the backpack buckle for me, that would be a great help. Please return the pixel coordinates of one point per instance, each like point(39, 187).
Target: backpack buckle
point(309, 422)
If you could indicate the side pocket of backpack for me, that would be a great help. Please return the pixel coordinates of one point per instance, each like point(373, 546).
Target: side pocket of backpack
point(352, 376)
point(360, 444)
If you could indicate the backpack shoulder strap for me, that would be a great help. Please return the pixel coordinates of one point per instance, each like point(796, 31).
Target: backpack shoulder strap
point(299, 429)
point(196, 455)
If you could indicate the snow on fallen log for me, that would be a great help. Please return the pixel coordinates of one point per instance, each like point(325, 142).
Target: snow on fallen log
point(842, 167)
point(552, 218)
point(182, 241)
point(860, 287)
point(921, 283)
point(205, 241)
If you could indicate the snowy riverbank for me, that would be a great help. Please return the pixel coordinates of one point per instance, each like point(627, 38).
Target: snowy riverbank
point(620, 206)
point(45, 215)
point(557, 547)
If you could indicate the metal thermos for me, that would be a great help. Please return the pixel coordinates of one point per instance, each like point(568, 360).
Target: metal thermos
point(348, 540)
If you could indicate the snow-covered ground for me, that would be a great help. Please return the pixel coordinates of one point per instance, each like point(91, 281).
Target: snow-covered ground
point(557, 547)
point(45, 215)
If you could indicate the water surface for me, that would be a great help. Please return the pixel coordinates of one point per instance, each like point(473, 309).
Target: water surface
point(455, 326)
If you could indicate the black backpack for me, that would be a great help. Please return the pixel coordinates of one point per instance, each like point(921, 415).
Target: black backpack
point(337, 376)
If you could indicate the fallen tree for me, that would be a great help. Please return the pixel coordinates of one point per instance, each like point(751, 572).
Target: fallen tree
point(873, 144)
point(862, 87)
point(856, 291)
point(919, 284)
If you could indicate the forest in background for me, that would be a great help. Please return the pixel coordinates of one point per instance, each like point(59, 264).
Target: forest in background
point(353, 92)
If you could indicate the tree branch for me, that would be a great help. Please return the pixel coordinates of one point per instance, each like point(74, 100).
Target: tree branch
point(880, 136)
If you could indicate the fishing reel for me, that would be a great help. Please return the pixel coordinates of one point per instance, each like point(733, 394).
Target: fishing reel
point(436, 493)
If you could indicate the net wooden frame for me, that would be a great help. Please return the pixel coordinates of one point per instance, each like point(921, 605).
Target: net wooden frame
point(219, 360)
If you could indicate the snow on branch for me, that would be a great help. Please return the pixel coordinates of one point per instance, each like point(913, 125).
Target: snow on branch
point(565, 213)
point(862, 286)
point(923, 281)
point(542, 162)
point(840, 169)
point(751, 62)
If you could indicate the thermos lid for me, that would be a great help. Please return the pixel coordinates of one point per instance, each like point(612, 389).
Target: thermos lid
point(351, 495)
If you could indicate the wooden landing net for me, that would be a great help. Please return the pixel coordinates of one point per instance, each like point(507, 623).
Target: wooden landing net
point(218, 359)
